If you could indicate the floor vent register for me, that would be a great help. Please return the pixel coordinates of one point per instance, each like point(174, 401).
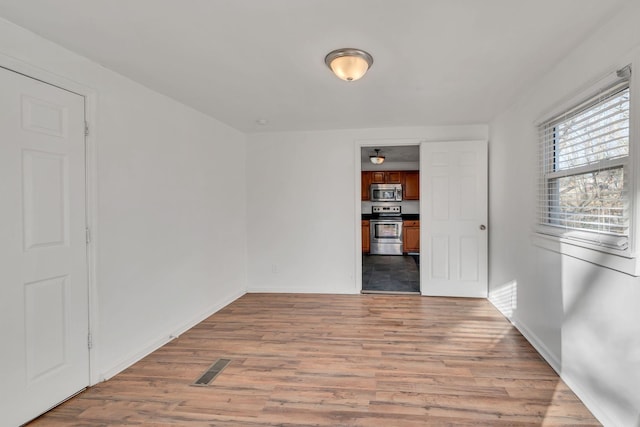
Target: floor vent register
point(212, 372)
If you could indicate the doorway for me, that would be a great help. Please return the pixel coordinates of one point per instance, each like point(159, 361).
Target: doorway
point(451, 233)
point(390, 208)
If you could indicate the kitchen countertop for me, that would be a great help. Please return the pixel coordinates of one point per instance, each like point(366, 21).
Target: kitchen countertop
point(406, 217)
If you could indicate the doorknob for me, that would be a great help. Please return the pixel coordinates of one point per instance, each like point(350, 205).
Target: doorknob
point(483, 227)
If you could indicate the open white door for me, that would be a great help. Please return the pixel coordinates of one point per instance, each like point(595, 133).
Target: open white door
point(453, 218)
point(43, 279)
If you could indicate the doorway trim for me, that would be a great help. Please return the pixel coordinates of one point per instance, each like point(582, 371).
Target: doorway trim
point(358, 145)
point(91, 183)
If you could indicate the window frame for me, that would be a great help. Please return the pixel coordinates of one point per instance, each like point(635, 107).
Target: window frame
point(551, 172)
point(578, 243)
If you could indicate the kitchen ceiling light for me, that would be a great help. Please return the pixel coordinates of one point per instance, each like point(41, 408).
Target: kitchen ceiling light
point(348, 64)
point(376, 159)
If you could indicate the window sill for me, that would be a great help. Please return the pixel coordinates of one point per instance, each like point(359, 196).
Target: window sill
point(620, 261)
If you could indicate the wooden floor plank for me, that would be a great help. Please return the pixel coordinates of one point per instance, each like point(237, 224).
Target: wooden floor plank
point(337, 360)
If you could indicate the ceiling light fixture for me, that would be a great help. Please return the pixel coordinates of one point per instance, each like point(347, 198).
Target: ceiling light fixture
point(349, 64)
point(376, 159)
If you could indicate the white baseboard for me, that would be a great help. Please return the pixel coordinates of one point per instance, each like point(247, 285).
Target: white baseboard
point(591, 402)
point(542, 349)
point(153, 345)
point(575, 384)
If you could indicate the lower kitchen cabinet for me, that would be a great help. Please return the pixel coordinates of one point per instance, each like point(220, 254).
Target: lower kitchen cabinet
point(365, 236)
point(411, 236)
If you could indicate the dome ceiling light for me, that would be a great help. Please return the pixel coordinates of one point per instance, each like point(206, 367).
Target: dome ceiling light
point(349, 64)
point(376, 159)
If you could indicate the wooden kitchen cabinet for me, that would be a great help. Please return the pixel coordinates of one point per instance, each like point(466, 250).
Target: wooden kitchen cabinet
point(377, 177)
point(365, 183)
point(411, 185)
point(365, 236)
point(411, 236)
point(393, 177)
point(410, 181)
point(386, 177)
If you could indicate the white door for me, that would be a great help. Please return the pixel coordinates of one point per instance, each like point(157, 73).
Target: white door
point(453, 218)
point(43, 279)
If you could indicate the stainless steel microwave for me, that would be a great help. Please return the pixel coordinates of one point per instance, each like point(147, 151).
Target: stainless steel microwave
point(385, 192)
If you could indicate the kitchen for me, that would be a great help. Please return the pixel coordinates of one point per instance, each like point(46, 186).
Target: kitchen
point(390, 194)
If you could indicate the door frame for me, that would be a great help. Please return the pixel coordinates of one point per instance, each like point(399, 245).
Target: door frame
point(358, 145)
point(91, 183)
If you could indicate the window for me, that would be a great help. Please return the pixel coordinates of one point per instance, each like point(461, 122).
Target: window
point(584, 170)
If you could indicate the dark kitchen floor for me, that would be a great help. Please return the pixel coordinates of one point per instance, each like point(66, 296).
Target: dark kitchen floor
point(390, 273)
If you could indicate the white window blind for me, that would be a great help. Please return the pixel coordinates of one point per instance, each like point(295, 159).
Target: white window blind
point(583, 163)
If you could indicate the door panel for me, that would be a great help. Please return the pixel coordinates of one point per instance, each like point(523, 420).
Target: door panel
point(469, 251)
point(45, 326)
point(439, 198)
point(439, 257)
point(454, 205)
point(44, 296)
point(45, 216)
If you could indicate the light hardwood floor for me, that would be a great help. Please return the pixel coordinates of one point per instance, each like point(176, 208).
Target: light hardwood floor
point(337, 360)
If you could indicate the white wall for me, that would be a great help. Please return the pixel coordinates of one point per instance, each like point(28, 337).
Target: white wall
point(584, 318)
point(170, 238)
point(302, 205)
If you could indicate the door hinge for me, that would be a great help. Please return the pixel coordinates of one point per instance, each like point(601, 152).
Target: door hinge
point(89, 341)
point(86, 128)
point(88, 234)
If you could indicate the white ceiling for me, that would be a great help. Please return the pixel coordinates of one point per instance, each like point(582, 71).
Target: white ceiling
point(436, 62)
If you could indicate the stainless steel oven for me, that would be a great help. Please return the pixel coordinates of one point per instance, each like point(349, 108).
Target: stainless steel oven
point(385, 231)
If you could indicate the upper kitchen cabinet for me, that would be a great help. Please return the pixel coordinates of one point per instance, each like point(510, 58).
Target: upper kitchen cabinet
point(411, 185)
point(366, 182)
point(386, 177)
point(410, 181)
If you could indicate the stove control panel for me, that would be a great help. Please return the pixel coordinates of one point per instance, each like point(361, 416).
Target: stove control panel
point(389, 210)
